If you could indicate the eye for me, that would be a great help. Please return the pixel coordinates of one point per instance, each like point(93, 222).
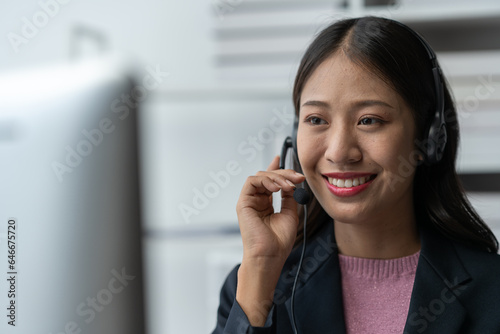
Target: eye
point(369, 121)
point(314, 120)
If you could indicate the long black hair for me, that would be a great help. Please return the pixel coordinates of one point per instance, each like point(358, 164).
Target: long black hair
point(392, 52)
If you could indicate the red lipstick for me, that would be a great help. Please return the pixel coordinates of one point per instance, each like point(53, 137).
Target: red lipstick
point(350, 191)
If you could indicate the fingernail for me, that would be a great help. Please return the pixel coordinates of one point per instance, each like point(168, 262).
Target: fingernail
point(290, 183)
point(279, 186)
point(297, 173)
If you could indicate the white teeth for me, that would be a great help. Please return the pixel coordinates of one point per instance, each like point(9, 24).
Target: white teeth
point(348, 183)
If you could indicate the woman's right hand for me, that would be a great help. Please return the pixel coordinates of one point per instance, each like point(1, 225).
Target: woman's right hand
point(268, 237)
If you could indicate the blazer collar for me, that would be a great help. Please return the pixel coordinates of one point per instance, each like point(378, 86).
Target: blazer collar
point(440, 278)
point(434, 306)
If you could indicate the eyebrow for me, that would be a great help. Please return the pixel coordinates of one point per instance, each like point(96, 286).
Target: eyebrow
point(356, 105)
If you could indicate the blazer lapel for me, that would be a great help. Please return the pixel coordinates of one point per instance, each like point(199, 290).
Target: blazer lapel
point(318, 296)
point(439, 279)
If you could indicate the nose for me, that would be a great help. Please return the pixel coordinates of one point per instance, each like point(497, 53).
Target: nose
point(342, 146)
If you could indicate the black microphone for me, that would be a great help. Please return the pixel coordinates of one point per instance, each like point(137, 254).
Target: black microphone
point(301, 196)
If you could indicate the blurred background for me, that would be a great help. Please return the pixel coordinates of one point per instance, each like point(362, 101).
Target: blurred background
point(169, 106)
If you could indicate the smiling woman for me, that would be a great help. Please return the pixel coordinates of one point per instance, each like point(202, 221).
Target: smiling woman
point(393, 244)
point(354, 132)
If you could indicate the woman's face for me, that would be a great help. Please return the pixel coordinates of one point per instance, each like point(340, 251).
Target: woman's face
point(355, 143)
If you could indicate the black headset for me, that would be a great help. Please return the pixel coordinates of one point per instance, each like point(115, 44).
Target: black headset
point(437, 135)
point(433, 146)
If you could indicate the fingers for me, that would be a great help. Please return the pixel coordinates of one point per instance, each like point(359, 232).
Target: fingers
point(293, 175)
point(284, 179)
point(272, 180)
point(257, 190)
point(274, 167)
point(264, 183)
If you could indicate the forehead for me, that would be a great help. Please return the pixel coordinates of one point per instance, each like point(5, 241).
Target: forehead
point(338, 79)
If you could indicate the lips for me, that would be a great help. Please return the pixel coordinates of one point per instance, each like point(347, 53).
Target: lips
point(348, 184)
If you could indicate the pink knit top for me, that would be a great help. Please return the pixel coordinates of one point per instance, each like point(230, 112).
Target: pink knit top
point(377, 293)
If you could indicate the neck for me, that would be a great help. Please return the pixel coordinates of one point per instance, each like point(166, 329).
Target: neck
point(384, 238)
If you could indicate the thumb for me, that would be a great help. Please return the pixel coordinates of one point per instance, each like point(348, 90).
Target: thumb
point(288, 204)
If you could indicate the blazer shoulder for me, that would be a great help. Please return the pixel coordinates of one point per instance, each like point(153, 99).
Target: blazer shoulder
point(477, 260)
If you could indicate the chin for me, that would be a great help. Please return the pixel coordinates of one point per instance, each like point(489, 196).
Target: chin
point(349, 213)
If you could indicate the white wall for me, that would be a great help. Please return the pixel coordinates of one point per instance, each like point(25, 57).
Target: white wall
point(173, 34)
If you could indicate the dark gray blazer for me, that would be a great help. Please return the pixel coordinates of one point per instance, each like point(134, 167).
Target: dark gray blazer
point(456, 290)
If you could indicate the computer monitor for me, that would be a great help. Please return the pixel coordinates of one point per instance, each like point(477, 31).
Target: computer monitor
point(70, 233)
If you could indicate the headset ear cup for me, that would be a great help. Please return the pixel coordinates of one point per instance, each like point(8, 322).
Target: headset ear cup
point(436, 140)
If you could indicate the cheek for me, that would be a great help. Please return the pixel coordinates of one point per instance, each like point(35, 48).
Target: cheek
point(390, 152)
point(382, 151)
point(310, 151)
